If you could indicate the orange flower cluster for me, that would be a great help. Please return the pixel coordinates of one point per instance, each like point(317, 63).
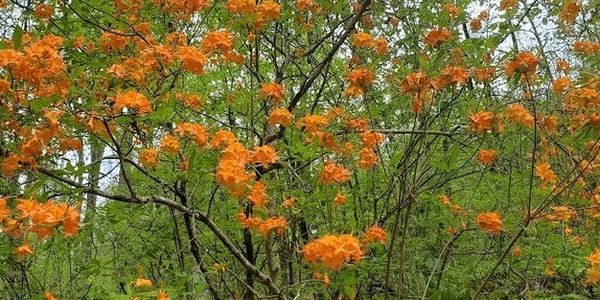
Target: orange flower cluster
point(272, 90)
point(451, 9)
point(587, 47)
point(569, 12)
point(34, 145)
point(44, 11)
point(183, 8)
point(561, 85)
point(231, 171)
point(418, 85)
point(132, 100)
point(368, 157)
point(333, 251)
point(435, 37)
point(312, 123)
point(280, 116)
point(264, 155)
point(582, 98)
point(366, 40)
point(334, 173)
point(375, 234)
point(360, 80)
point(451, 75)
point(481, 121)
point(508, 4)
point(593, 272)
point(545, 173)
point(475, 24)
point(268, 10)
point(169, 144)
point(525, 64)
point(486, 156)
point(192, 59)
point(194, 131)
point(39, 218)
point(265, 227)
point(490, 222)
point(221, 41)
point(561, 213)
point(149, 157)
point(39, 65)
point(310, 5)
point(518, 114)
point(113, 42)
point(483, 74)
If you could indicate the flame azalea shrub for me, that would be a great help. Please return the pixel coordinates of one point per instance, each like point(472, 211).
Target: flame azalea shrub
point(267, 149)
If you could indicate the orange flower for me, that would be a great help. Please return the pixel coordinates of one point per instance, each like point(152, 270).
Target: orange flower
point(561, 85)
point(486, 156)
point(586, 47)
point(269, 10)
point(416, 83)
point(507, 4)
point(368, 158)
point(363, 39)
point(484, 74)
point(361, 77)
point(194, 131)
point(113, 41)
point(545, 173)
point(582, 98)
point(191, 59)
point(149, 157)
point(273, 224)
point(339, 199)
point(217, 40)
point(272, 90)
point(592, 276)
point(49, 295)
point(436, 37)
point(451, 75)
point(264, 155)
point(241, 6)
point(289, 203)
point(332, 251)
point(258, 195)
point(68, 144)
point(4, 211)
point(162, 295)
point(594, 258)
point(518, 114)
point(334, 173)
point(169, 144)
point(570, 11)
point(516, 251)
point(451, 9)
point(132, 100)
point(312, 123)
point(222, 137)
point(371, 139)
point(481, 121)
point(23, 250)
point(561, 213)
point(280, 116)
point(490, 222)
point(524, 63)
point(44, 11)
point(381, 46)
point(141, 283)
point(375, 234)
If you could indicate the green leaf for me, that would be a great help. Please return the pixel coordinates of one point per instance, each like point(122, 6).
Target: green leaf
point(17, 37)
